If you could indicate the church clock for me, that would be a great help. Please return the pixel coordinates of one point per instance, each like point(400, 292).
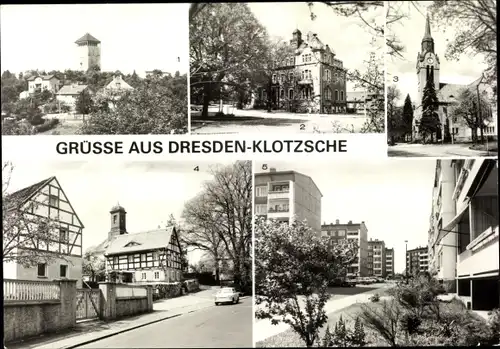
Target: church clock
point(430, 60)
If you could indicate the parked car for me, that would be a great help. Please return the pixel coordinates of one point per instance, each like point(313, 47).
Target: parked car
point(351, 282)
point(227, 295)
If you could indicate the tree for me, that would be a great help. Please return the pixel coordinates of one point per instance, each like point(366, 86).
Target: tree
point(475, 23)
point(429, 123)
point(84, 104)
point(94, 266)
point(224, 38)
point(225, 207)
point(22, 231)
point(407, 120)
point(200, 232)
point(158, 106)
point(472, 109)
point(293, 267)
point(394, 117)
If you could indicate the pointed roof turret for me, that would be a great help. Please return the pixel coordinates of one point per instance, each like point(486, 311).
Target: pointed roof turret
point(87, 38)
point(427, 34)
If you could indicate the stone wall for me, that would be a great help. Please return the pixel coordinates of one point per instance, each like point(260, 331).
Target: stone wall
point(27, 318)
point(119, 304)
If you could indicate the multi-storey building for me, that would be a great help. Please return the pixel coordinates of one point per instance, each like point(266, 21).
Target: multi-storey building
point(310, 79)
point(471, 232)
point(389, 262)
point(45, 203)
point(151, 256)
point(40, 83)
point(417, 260)
point(351, 231)
point(376, 258)
point(88, 52)
point(285, 195)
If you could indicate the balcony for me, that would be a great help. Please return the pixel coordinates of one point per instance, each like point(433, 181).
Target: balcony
point(305, 81)
point(481, 255)
point(278, 212)
point(278, 194)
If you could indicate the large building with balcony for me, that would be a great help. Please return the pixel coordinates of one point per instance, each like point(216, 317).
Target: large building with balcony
point(417, 260)
point(469, 231)
point(285, 195)
point(310, 79)
point(351, 231)
point(389, 262)
point(376, 258)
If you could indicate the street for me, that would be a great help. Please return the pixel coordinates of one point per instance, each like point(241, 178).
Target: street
point(435, 150)
point(224, 326)
point(262, 121)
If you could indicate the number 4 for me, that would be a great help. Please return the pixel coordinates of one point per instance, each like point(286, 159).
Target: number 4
point(197, 168)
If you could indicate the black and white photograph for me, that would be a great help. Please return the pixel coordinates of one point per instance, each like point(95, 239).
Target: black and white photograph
point(287, 67)
point(94, 69)
point(100, 254)
point(442, 78)
point(383, 253)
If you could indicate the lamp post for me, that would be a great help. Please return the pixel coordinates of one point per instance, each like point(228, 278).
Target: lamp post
point(407, 260)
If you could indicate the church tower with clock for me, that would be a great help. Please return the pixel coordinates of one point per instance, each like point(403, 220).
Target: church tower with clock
point(427, 63)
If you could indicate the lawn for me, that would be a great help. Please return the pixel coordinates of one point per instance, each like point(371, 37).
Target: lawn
point(490, 146)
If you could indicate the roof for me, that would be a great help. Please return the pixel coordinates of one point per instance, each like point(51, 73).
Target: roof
point(448, 92)
point(71, 89)
point(117, 208)
point(144, 241)
point(87, 38)
point(24, 194)
point(44, 77)
point(355, 95)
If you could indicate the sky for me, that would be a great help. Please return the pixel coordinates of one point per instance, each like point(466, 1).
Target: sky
point(281, 19)
point(149, 191)
point(133, 36)
point(410, 32)
point(392, 196)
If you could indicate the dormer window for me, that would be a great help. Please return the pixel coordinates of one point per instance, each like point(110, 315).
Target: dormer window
point(118, 85)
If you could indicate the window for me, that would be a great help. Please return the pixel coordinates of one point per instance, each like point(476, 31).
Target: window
point(63, 271)
point(341, 95)
point(282, 93)
point(115, 218)
point(261, 191)
point(328, 94)
point(290, 93)
point(157, 275)
point(328, 75)
point(290, 77)
point(336, 95)
point(143, 276)
point(261, 209)
point(42, 270)
point(283, 78)
point(341, 232)
point(53, 201)
point(130, 259)
point(63, 235)
point(274, 78)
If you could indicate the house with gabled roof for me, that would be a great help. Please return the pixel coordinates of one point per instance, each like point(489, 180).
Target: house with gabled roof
point(39, 83)
point(152, 256)
point(46, 200)
point(69, 93)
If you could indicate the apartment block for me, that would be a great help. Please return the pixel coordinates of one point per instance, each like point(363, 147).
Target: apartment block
point(357, 232)
point(389, 262)
point(417, 260)
point(376, 258)
point(285, 195)
point(465, 224)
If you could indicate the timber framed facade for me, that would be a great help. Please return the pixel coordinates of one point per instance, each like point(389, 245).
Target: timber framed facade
point(46, 201)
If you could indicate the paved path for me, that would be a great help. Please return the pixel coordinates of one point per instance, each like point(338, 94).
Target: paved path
point(264, 329)
point(435, 150)
point(264, 122)
point(228, 326)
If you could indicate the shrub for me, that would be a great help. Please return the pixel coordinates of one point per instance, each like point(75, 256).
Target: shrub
point(54, 107)
point(17, 128)
point(383, 319)
point(494, 324)
point(343, 336)
point(47, 125)
point(410, 323)
point(167, 290)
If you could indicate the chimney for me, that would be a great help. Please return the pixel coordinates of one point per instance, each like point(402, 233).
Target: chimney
point(337, 221)
point(272, 169)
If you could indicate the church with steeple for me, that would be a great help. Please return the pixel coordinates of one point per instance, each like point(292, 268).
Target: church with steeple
point(428, 67)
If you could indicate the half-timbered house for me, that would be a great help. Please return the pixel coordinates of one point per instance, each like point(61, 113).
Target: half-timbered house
point(46, 201)
point(152, 256)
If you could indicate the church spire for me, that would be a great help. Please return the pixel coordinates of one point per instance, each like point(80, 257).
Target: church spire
point(427, 41)
point(427, 34)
